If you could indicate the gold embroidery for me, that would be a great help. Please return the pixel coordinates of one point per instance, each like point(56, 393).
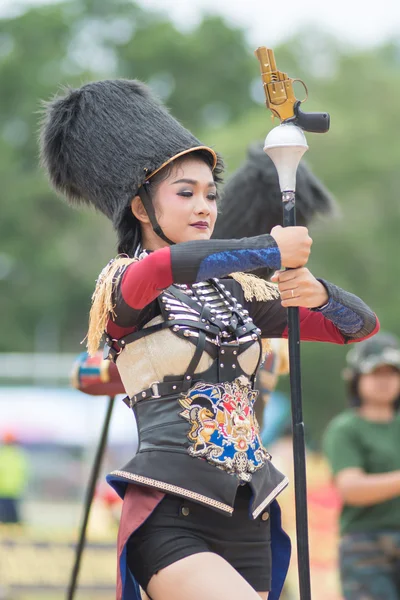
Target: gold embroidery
point(223, 428)
point(174, 489)
point(270, 497)
point(194, 149)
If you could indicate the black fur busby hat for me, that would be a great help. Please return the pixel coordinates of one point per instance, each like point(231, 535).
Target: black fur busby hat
point(251, 202)
point(100, 143)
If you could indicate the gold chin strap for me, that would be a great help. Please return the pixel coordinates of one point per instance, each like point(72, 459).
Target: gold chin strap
point(148, 205)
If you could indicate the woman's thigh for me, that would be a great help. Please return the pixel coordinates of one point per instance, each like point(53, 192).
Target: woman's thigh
point(198, 577)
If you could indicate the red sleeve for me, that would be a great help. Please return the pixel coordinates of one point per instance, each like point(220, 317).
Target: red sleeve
point(314, 327)
point(143, 281)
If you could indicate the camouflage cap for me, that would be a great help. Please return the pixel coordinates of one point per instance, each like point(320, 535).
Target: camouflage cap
point(382, 349)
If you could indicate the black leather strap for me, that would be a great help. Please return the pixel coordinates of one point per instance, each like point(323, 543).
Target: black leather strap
point(253, 377)
point(112, 352)
point(148, 205)
point(194, 304)
point(206, 322)
point(156, 390)
point(200, 346)
point(234, 327)
point(228, 367)
point(191, 302)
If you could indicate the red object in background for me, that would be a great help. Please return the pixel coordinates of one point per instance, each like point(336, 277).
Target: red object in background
point(108, 496)
point(95, 376)
point(9, 437)
point(326, 496)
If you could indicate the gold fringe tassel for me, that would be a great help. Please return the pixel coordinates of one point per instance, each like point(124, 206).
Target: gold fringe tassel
point(266, 347)
point(102, 300)
point(255, 288)
point(283, 357)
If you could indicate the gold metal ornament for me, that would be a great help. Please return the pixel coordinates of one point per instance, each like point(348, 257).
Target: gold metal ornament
point(278, 86)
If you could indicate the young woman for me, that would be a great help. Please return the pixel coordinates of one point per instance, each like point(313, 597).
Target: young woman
point(363, 449)
point(187, 329)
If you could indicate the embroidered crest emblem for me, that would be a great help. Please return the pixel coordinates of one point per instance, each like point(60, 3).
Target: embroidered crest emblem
point(224, 429)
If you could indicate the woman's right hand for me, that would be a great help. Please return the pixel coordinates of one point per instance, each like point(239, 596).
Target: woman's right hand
point(294, 244)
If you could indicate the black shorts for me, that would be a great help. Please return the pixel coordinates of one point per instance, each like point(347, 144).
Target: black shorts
point(178, 528)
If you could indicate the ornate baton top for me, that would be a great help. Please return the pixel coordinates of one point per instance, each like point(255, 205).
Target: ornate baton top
point(281, 99)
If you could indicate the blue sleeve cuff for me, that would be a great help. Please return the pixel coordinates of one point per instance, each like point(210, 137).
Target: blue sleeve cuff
point(343, 317)
point(348, 320)
point(222, 263)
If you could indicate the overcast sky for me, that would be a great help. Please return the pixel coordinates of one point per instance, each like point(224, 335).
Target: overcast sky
point(267, 22)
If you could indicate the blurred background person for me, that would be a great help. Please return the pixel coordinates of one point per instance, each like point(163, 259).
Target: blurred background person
point(13, 476)
point(363, 448)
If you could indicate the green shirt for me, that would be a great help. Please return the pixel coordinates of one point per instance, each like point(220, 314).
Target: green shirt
point(351, 441)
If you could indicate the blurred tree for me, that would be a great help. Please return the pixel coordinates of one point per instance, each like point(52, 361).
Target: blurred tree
point(51, 254)
point(203, 75)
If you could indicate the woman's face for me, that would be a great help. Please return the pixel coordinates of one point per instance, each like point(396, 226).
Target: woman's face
point(185, 203)
point(381, 386)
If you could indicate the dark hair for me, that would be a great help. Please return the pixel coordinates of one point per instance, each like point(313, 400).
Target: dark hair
point(353, 393)
point(128, 229)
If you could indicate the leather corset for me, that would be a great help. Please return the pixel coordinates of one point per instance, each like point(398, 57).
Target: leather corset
point(194, 407)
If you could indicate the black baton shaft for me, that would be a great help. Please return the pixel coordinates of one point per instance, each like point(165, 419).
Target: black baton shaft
point(299, 447)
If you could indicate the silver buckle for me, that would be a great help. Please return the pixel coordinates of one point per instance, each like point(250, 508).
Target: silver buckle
point(119, 351)
point(229, 344)
point(154, 389)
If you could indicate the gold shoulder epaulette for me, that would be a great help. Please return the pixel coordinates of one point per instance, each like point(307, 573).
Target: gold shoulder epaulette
point(255, 288)
point(102, 300)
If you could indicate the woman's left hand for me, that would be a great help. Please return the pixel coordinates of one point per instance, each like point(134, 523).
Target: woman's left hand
point(298, 287)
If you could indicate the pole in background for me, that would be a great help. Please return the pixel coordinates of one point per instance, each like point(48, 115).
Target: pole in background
point(97, 377)
point(89, 499)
